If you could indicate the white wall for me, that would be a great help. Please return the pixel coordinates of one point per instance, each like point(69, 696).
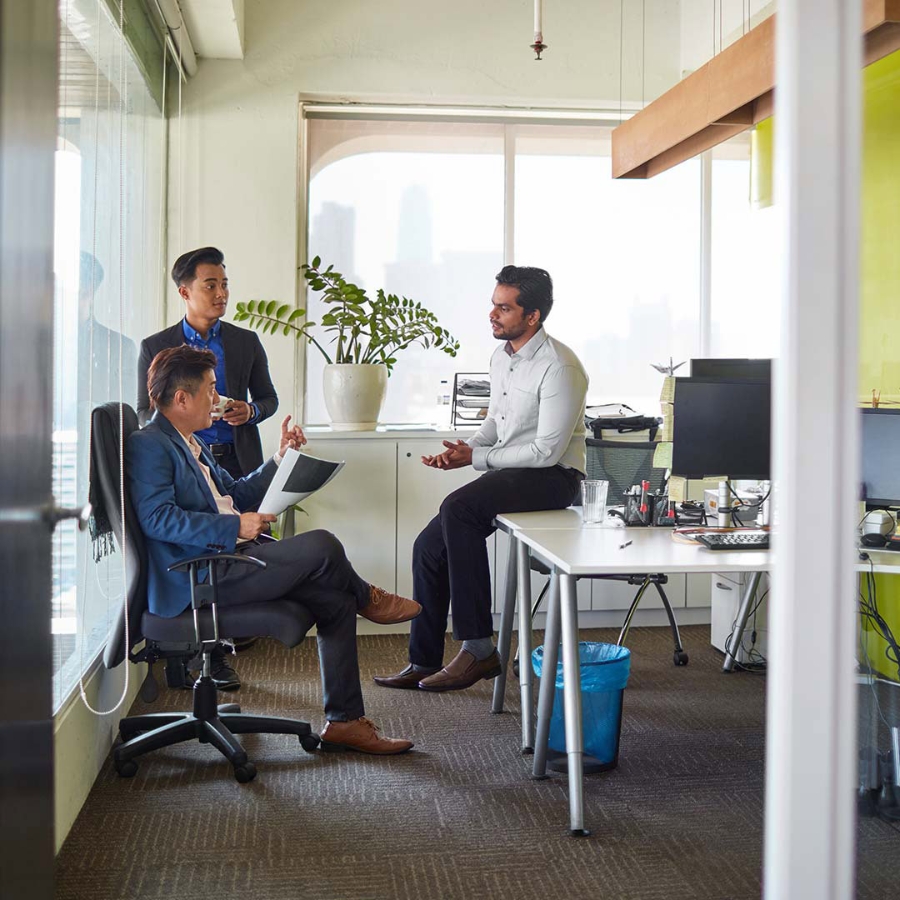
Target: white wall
point(233, 175)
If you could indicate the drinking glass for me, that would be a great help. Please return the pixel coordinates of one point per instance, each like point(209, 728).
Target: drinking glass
point(593, 502)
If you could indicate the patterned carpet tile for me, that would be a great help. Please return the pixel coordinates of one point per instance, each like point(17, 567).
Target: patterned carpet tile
point(459, 817)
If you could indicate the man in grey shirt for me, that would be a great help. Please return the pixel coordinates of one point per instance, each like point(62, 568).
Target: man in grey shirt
point(531, 449)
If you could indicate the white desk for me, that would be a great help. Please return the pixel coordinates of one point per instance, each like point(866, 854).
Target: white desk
point(574, 551)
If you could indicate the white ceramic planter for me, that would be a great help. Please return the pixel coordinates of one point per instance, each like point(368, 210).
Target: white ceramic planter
point(354, 395)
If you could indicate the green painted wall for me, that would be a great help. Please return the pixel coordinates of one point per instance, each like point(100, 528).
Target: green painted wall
point(879, 325)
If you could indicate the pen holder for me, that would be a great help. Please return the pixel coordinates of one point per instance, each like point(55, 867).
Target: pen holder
point(655, 513)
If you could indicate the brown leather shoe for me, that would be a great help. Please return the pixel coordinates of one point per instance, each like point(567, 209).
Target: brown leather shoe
point(408, 679)
point(362, 735)
point(462, 672)
point(388, 609)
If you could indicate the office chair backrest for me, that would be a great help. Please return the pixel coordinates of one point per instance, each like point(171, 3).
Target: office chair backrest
point(105, 448)
point(622, 464)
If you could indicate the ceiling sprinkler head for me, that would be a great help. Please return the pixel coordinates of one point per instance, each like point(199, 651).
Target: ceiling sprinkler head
point(538, 46)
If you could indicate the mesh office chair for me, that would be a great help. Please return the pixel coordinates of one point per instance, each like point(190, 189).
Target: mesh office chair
point(623, 464)
point(177, 639)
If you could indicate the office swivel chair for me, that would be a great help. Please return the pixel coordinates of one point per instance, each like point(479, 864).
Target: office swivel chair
point(177, 639)
point(623, 464)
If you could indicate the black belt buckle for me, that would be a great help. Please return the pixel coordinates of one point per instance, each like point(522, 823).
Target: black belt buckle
point(220, 449)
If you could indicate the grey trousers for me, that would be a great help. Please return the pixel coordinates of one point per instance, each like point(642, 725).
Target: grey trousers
point(313, 569)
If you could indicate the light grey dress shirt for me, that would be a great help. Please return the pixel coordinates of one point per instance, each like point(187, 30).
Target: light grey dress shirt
point(536, 415)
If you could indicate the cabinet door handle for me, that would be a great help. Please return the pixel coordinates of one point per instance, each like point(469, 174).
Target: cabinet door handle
point(722, 586)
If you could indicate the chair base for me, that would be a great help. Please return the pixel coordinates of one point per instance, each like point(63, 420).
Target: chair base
point(207, 724)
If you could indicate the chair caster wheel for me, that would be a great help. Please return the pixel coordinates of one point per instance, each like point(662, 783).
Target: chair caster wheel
point(310, 743)
point(681, 658)
point(126, 768)
point(579, 832)
point(224, 708)
point(515, 667)
point(245, 773)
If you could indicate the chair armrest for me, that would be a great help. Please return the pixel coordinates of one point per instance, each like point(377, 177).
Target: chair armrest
point(186, 564)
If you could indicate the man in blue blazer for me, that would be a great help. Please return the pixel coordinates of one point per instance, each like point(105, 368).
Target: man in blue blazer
point(187, 505)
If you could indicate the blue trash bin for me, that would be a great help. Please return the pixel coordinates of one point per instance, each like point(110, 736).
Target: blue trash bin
point(604, 675)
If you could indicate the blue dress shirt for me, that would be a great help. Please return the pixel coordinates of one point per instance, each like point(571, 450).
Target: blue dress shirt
point(220, 432)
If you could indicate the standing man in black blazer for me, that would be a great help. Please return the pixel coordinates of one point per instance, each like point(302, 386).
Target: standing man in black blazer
point(202, 283)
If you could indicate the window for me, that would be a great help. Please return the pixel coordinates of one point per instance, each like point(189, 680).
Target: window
point(421, 209)
point(745, 294)
point(415, 208)
point(107, 229)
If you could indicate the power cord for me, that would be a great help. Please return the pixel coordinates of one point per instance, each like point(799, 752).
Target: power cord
point(757, 662)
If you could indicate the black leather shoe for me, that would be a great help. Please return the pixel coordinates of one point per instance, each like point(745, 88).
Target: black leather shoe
point(223, 676)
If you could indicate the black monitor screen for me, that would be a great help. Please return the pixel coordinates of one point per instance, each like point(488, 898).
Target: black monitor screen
point(732, 369)
point(881, 457)
point(721, 428)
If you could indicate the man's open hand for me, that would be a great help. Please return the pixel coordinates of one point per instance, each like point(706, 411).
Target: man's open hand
point(292, 438)
point(456, 456)
point(254, 524)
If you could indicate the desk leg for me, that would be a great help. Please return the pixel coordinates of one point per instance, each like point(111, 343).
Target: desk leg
point(506, 625)
point(548, 681)
point(526, 680)
point(572, 703)
point(741, 624)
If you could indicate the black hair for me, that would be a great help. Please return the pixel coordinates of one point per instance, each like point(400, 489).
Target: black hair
point(535, 288)
point(185, 268)
point(177, 369)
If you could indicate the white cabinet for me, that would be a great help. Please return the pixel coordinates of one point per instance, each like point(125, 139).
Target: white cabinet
point(420, 491)
point(380, 501)
point(359, 506)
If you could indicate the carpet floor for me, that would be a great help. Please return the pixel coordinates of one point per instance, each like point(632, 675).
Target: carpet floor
point(458, 817)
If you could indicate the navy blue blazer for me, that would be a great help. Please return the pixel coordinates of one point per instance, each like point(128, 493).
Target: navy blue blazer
point(176, 510)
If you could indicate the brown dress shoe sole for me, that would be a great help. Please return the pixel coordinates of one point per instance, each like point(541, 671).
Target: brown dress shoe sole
point(328, 747)
point(450, 686)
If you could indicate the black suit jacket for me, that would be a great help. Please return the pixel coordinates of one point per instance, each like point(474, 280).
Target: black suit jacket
point(246, 368)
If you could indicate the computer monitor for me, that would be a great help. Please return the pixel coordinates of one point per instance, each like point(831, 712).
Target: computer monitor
point(732, 369)
point(880, 457)
point(722, 428)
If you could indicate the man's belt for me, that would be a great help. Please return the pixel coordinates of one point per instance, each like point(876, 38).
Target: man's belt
point(220, 449)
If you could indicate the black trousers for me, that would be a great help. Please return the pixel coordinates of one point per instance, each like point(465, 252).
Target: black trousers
point(450, 559)
point(313, 569)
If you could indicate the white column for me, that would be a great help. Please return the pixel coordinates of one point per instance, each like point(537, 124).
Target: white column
point(811, 717)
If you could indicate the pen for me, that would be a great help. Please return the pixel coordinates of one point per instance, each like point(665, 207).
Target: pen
point(626, 544)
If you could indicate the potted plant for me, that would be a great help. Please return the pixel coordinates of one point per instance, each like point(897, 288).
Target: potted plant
point(367, 334)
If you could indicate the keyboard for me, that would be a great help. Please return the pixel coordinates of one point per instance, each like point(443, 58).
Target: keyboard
point(735, 540)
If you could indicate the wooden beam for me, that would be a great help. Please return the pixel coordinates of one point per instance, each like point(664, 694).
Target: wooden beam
point(727, 95)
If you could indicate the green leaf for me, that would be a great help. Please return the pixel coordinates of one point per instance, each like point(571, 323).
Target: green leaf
point(316, 262)
point(271, 306)
point(296, 314)
point(282, 311)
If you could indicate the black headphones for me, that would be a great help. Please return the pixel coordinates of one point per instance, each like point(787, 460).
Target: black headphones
point(873, 540)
